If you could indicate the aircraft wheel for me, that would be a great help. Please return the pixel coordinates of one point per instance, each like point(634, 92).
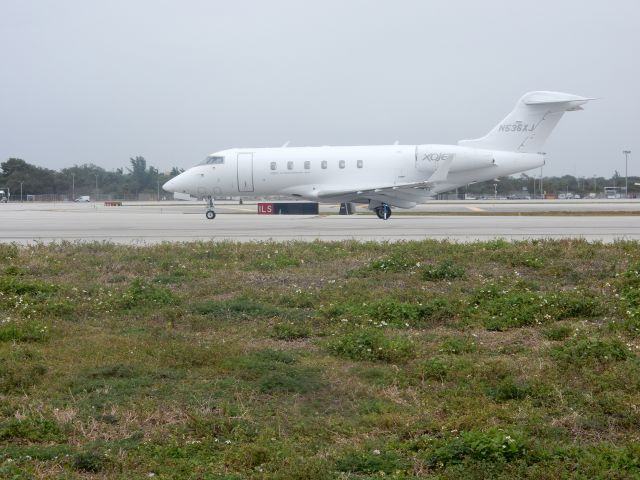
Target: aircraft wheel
point(211, 214)
point(383, 212)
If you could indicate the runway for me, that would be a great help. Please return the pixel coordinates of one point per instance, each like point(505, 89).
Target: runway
point(154, 223)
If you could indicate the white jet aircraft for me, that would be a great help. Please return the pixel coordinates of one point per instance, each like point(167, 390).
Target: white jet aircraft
point(382, 176)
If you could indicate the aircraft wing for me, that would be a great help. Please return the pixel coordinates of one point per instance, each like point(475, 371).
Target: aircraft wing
point(403, 195)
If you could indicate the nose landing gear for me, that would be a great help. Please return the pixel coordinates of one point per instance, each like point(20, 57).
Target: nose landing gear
point(383, 211)
point(211, 213)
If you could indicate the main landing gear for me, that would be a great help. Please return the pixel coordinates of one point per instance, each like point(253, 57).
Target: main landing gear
point(383, 211)
point(211, 213)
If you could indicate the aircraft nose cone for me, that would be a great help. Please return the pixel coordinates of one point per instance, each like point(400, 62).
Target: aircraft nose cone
point(171, 186)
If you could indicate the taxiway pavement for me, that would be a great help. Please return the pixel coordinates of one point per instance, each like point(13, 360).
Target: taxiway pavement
point(170, 222)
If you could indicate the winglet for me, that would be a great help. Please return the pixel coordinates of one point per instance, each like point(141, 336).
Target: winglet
point(286, 144)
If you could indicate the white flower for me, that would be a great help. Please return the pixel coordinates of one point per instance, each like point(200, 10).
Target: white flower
point(376, 452)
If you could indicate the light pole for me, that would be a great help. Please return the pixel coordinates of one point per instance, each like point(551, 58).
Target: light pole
point(96, 186)
point(21, 191)
point(158, 180)
point(73, 186)
point(626, 179)
point(495, 191)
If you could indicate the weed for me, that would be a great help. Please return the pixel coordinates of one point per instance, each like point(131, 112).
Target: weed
point(501, 308)
point(369, 344)
point(557, 332)
point(142, 294)
point(372, 461)
point(20, 368)
point(290, 331)
point(490, 446)
point(23, 331)
point(433, 368)
point(391, 312)
point(274, 371)
point(509, 389)
point(458, 345)
point(15, 271)
point(90, 461)
point(526, 259)
point(13, 285)
point(445, 270)
point(31, 429)
point(394, 263)
point(585, 351)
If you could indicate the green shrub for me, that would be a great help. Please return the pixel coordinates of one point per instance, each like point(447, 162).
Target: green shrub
point(276, 261)
point(297, 299)
point(393, 263)
point(458, 345)
point(525, 259)
point(391, 312)
point(15, 271)
point(142, 294)
point(557, 332)
point(629, 287)
point(501, 307)
point(9, 251)
point(23, 331)
point(394, 312)
point(491, 446)
point(583, 351)
point(20, 377)
point(290, 331)
point(434, 368)
point(509, 389)
point(111, 384)
point(13, 285)
point(31, 429)
point(275, 371)
point(90, 461)
point(371, 462)
point(445, 270)
point(372, 345)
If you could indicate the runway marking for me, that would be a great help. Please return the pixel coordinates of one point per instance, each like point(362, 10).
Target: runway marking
point(476, 209)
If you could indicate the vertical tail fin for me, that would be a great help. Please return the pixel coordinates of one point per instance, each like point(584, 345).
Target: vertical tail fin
point(530, 123)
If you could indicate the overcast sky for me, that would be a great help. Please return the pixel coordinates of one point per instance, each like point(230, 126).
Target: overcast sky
point(101, 81)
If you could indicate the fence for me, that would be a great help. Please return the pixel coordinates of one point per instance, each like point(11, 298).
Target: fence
point(53, 198)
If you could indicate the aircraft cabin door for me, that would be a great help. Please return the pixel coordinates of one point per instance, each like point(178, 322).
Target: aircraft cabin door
point(245, 172)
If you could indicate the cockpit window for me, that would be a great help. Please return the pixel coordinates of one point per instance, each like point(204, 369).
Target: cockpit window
point(213, 160)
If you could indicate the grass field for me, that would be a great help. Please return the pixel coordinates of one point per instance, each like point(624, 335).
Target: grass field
point(320, 360)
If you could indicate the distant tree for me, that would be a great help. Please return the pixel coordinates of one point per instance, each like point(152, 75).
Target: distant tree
point(138, 175)
point(35, 180)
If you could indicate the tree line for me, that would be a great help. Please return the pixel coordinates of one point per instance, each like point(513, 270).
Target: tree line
point(140, 178)
point(79, 180)
point(530, 185)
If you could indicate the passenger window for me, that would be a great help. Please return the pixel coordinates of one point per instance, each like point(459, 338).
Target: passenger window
point(289, 165)
point(341, 164)
point(359, 163)
point(273, 165)
point(323, 165)
point(307, 165)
